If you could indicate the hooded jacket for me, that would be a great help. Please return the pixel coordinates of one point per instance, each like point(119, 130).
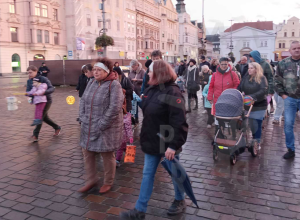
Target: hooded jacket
point(268, 72)
point(192, 74)
point(101, 115)
point(82, 83)
point(42, 79)
point(205, 93)
point(139, 76)
point(219, 83)
point(164, 116)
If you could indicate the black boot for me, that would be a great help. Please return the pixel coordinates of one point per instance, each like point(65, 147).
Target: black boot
point(132, 215)
point(177, 207)
point(189, 106)
point(196, 107)
point(289, 155)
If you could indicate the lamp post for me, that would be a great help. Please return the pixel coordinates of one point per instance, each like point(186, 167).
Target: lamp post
point(231, 46)
point(103, 30)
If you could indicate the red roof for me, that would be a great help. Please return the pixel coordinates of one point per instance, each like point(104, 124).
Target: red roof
point(261, 25)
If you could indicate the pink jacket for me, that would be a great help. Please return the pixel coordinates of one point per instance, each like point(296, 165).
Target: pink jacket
point(39, 91)
point(127, 131)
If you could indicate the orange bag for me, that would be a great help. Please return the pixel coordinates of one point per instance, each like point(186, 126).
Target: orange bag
point(130, 154)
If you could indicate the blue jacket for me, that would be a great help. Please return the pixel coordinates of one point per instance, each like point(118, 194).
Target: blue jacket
point(205, 92)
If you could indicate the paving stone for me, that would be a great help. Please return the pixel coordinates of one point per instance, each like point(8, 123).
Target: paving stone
point(41, 212)
point(4, 211)
point(58, 216)
point(23, 207)
point(75, 211)
point(58, 207)
point(208, 214)
point(14, 215)
point(41, 203)
point(95, 215)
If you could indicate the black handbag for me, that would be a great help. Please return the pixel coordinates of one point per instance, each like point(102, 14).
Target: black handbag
point(193, 85)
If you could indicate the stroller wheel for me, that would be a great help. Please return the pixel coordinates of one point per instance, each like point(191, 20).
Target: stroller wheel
point(254, 149)
point(215, 155)
point(233, 159)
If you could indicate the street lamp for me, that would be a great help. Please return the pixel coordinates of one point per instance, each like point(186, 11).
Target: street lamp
point(231, 46)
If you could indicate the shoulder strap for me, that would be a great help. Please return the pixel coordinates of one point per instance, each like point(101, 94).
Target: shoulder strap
point(231, 76)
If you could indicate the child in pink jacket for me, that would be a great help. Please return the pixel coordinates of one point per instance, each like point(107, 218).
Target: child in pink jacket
point(39, 99)
point(127, 137)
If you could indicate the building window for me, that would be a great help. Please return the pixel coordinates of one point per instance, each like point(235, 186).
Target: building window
point(138, 44)
point(37, 9)
point(128, 47)
point(283, 45)
point(142, 45)
point(46, 37)
point(261, 43)
point(293, 34)
point(146, 44)
point(163, 35)
point(45, 11)
point(31, 36)
point(151, 45)
point(15, 63)
point(163, 46)
point(266, 43)
point(132, 29)
point(55, 15)
point(285, 34)
point(88, 20)
point(175, 48)
point(39, 36)
point(138, 31)
point(14, 34)
point(279, 45)
point(12, 7)
point(99, 22)
point(141, 32)
point(56, 38)
point(117, 3)
point(128, 25)
point(186, 40)
point(132, 47)
point(108, 24)
point(118, 25)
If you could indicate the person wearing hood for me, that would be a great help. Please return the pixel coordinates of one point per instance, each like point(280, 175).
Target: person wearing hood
point(101, 117)
point(221, 80)
point(145, 84)
point(192, 79)
point(207, 104)
point(127, 86)
point(267, 69)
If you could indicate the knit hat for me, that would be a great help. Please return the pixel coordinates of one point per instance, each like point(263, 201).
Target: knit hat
point(148, 63)
point(118, 70)
point(256, 56)
point(202, 57)
point(193, 61)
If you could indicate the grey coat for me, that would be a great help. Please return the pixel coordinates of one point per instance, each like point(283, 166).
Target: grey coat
point(101, 116)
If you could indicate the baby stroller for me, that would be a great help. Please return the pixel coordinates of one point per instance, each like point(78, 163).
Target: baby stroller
point(231, 137)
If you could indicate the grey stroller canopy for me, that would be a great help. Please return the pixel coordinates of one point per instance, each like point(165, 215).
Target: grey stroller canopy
point(230, 104)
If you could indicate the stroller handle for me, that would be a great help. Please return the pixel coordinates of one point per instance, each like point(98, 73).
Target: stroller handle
point(249, 111)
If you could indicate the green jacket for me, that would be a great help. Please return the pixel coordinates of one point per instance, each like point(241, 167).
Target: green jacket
point(286, 80)
point(268, 73)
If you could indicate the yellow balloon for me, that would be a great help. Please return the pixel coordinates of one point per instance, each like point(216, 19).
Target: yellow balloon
point(70, 100)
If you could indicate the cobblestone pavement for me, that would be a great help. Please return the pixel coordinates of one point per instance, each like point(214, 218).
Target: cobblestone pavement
point(39, 181)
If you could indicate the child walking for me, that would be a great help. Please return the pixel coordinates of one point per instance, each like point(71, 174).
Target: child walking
point(127, 136)
point(39, 99)
point(207, 104)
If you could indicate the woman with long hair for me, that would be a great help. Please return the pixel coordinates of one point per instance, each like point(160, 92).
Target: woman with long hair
point(255, 85)
point(164, 113)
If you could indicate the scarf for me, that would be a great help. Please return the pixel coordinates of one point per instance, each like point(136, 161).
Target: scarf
point(223, 71)
point(192, 68)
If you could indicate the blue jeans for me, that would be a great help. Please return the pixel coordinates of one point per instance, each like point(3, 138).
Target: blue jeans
point(256, 128)
point(290, 108)
point(279, 106)
point(150, 166)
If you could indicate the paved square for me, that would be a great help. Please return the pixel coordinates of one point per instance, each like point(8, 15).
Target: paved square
point(39, 180)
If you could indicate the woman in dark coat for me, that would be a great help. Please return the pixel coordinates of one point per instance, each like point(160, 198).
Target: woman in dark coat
point(164, 113)
point(255, 85)
point(127, 86)
point(192, 78)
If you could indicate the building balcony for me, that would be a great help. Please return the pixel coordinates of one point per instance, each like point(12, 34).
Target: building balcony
point(216, 49)
point(171, 41)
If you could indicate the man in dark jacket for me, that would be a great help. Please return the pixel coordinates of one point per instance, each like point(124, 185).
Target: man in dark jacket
point(203, 62)
point(287, 86)
point(242, 67)
point(32, 72)
point(127, 86)
point(82, 81)
point(182, 68)
point(44, 70)
point(268, 73)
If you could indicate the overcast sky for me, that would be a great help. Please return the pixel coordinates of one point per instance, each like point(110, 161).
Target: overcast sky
point(218, 12)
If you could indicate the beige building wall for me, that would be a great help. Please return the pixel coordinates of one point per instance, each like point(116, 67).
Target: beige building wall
point(289, 32)
point(169, 27)
point(130, 29)
point(20, 24)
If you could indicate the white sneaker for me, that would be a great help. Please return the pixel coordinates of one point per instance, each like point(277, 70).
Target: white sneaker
point(204, 112)
point(208, 126)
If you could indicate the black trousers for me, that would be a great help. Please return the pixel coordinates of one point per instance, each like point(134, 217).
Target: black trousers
point(46, 119)
point(192, 95)
point(210, 119)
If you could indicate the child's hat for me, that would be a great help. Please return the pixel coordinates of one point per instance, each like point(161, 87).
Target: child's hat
point(36, 79)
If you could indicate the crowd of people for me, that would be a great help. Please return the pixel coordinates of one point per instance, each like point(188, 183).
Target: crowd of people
point(110, 102)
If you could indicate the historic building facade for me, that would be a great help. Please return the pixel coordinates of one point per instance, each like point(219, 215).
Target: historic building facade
point(31, 30)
